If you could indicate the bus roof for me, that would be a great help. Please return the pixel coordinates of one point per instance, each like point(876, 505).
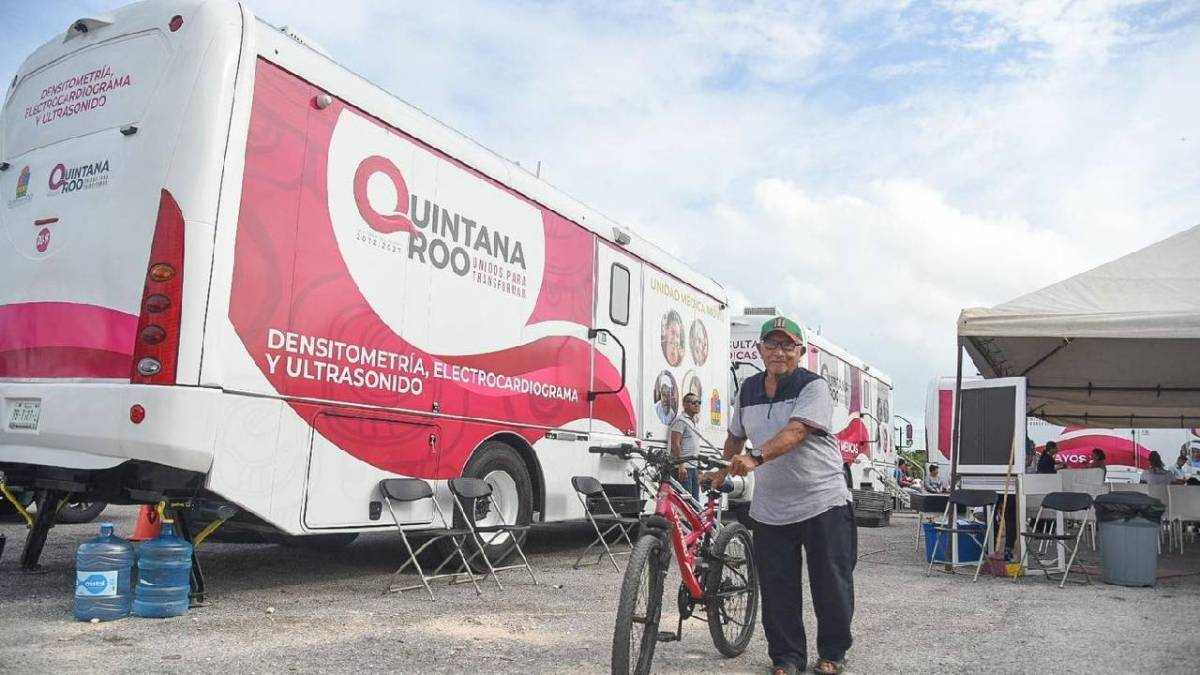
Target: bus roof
point(752, 322)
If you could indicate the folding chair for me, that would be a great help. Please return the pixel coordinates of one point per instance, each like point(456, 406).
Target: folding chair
point(970, 499)
point(1183, 506)
point(1063, 502)
point(410, 490)
point(925, 504)
point(1090, 481)
point(473, 498)
point(589, 491)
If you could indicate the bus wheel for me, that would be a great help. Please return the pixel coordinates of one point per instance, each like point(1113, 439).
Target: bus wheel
point(512, 489)
point(75, 512)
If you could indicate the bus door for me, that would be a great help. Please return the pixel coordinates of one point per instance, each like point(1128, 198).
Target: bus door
point(616, 343)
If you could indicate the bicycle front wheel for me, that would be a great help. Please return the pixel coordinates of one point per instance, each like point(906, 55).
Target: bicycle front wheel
point(640, 607)
point(732, 590)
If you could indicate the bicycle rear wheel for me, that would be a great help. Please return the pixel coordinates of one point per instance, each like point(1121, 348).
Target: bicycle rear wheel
point(731, 588)
point(639, 609)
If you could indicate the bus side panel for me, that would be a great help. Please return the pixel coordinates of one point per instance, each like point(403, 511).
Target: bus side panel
point(685, 334)
point(249, 458)
point(369, 270)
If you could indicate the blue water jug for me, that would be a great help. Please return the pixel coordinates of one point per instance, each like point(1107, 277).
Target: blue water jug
point(164, 576)
point(103, 567)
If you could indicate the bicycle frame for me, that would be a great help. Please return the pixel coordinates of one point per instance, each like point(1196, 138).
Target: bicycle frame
point(670, 505)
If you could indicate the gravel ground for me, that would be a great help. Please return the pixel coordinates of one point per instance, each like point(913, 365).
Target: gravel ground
point(328, 616)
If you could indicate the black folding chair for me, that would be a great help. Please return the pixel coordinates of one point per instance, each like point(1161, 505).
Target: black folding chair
point(969, 499)
point(925, 504)
point(411, 490)
point(1062, 502)
point(592, 496)
point(474, 500)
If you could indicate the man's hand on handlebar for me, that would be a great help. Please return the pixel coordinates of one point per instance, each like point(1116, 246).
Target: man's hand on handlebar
point(742, 465)
point(717, 477)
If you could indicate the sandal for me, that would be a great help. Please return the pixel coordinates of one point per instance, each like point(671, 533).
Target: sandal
point(828, 667)
point(785, 669)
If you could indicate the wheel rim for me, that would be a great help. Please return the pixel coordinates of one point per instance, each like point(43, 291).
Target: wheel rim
point(640, 639)
point(506, 504)
point(737, 583)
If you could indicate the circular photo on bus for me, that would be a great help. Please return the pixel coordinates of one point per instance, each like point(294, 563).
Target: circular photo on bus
point(666, 397)
point(698, 338)
point(691, 385)
point(672, 338)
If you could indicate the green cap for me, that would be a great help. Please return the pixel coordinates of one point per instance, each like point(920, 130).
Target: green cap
point(783, 325)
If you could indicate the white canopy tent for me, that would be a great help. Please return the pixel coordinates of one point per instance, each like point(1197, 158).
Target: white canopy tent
point(1116, 346)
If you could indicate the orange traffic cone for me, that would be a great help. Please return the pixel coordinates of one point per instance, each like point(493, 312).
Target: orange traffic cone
point(149, 524)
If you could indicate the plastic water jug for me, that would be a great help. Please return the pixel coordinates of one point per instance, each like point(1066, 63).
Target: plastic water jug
point(164, 575)
point(103, 567)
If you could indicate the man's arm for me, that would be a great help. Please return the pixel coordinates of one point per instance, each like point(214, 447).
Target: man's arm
point(788, 437)
point(733, 446)
point(780, 444)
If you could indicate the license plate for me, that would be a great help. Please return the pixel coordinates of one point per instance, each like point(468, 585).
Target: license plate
point(25, 415)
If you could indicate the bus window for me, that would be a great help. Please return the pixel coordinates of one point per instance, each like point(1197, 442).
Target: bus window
point(618, 295)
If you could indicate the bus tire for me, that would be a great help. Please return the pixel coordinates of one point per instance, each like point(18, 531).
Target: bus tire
point(75, 512)
point(512, 488)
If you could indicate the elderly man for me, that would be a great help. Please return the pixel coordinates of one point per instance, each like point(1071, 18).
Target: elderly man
point(801, 505)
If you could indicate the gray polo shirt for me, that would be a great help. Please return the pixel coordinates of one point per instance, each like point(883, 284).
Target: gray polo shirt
point(807, 480)
point(689, 442)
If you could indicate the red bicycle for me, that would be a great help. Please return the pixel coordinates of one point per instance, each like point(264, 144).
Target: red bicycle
point(716, 563)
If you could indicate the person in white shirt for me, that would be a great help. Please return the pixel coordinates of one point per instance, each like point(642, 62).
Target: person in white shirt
point(1178, 470)
point(685, 442)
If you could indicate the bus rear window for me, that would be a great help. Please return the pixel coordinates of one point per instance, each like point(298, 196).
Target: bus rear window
point(99, 87)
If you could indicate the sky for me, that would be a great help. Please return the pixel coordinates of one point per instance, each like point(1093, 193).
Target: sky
point(871, 167)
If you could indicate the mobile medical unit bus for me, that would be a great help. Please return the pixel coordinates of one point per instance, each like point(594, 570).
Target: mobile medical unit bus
point(237, 274)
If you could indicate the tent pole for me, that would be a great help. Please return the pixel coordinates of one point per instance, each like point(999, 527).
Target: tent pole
point(954, 448)
point(954, 432)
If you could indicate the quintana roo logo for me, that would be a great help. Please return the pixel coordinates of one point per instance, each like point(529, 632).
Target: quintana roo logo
point(383, 224)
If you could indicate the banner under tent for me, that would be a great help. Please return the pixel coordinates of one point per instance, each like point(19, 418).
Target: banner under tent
point(1116, 346)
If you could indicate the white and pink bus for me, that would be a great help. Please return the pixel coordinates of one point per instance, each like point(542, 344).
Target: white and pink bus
point(237, 273)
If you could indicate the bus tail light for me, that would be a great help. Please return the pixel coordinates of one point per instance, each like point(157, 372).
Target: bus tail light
point(156, 346)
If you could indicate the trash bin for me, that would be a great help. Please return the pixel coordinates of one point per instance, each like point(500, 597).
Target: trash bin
point(968, 548)
point(1129, 530)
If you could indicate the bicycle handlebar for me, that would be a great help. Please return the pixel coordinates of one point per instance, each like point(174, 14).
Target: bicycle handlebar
point(657, 457)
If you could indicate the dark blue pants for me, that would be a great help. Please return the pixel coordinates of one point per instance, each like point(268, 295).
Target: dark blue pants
point(831, 542)
point(693, 481)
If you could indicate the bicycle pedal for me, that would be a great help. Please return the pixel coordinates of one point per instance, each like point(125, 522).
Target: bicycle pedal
point(667, 636)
